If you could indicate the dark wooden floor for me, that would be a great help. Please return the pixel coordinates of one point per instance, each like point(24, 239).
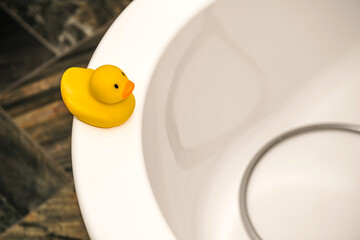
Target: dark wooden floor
point(35, 109)
point(37, 195)
point(15, 60)
point(58, 218)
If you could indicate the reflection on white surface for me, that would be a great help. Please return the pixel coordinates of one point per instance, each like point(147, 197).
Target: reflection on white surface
point(235, 76)
point(308, 187)
point(206, 103)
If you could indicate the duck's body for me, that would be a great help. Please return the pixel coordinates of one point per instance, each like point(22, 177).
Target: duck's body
point(78, 96)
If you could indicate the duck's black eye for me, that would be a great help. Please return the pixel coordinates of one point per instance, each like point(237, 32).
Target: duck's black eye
point(123, 73)
point(116, 86)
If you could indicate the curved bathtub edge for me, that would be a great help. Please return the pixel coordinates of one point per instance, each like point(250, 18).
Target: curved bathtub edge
point(114, 193)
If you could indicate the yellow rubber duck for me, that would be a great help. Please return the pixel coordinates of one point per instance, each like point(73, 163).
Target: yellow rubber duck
point(101, 97)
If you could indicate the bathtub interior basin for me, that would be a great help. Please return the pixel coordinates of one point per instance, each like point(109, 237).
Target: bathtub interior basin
point(216, 82)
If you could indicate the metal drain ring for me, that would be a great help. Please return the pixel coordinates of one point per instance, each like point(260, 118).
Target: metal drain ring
point(245, 180)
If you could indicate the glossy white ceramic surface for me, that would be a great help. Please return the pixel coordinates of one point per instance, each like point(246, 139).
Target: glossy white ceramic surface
point(215, 81)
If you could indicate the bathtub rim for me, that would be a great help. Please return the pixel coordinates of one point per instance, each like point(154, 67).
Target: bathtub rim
point(86, 139)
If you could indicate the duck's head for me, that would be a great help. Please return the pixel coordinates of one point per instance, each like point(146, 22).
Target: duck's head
point(109, 84)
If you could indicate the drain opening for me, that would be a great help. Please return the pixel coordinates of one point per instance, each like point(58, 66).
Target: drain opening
point(244, 209)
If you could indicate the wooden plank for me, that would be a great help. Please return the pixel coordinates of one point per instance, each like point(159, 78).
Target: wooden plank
point(28, 176)
point(57, 149)
point(36, 101)
point(32, 96)
point(45, 113)
point(50, 125)
point(20, 51)
point(59, 218)
point(8, 214)
point(76, 21)
point(22, 94)
point(60, 150)
point(50, 132)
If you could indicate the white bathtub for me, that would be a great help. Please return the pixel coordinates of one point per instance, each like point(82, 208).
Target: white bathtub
point(216, 81)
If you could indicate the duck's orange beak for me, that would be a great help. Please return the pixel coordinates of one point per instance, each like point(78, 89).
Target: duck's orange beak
point(129, 87)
